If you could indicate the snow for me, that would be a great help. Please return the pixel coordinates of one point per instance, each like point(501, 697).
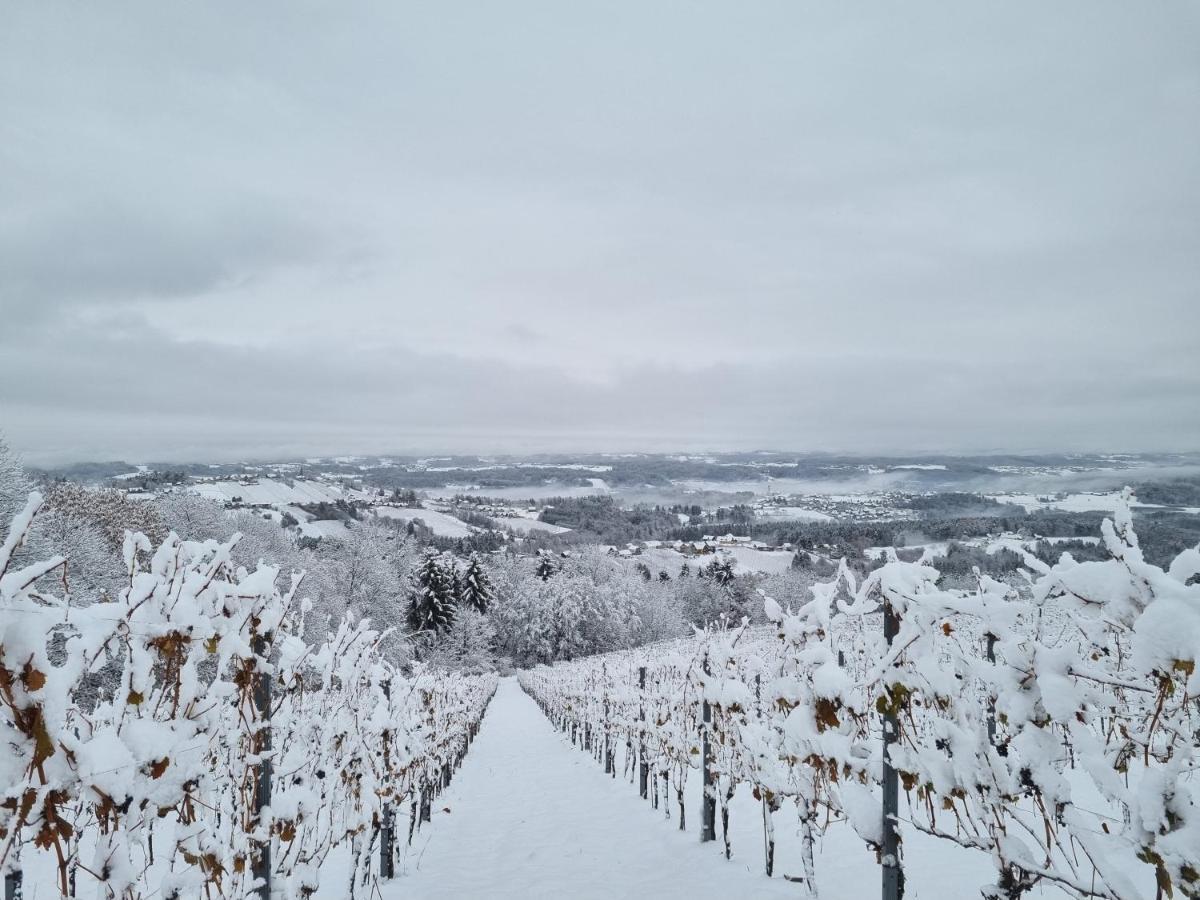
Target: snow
point(530, 816)
point(325, 528)
point(523, 525)
point(268, 492)
point(126, 476)
point(439, 523)
point(770, 562)
point(932, 548)
point(745, 559)
point(1068, 503)
point(795, 512)
point(524, 492)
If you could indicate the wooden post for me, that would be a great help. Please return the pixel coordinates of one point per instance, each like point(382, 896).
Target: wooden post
point(991, 707)
point(893, 877)
point(643, 766)
point(607, 749)
point(708, 808)
point(13, 886)
point(387, 830)
point(261, 867)
point(768, 836)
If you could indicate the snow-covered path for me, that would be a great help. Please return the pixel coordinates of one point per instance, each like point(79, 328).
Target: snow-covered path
point(530, 816)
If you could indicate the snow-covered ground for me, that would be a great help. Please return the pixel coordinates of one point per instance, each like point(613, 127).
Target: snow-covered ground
point(525, 492)
point(524, 525)
point(1070, 503)
point(745, 559)
point(269, 492)
point(797, 513)
point(440, 523)
point(325, 528)
point(530, 816)
point(933, 548)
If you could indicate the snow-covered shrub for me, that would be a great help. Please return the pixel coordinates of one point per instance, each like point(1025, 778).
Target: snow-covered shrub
point(1055, 729)
point(184, 742)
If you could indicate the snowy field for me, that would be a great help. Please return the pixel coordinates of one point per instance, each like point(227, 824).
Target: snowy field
point(1105, 502)
point(745, 559)
point(439, 523)
point(794, 513)
point(269, 492)
point(524, 525)
point(335, 529)
point(525, 492)
point(532, 816)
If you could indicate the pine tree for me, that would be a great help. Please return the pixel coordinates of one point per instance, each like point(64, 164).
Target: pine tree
point(453, 578)
point(431, 604)
point(720, 570)
point(475, 586)
point(545, 567)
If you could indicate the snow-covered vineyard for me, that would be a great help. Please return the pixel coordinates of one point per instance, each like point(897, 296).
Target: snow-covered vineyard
point(190, 737)
point(231, 752)
point(1054, 738)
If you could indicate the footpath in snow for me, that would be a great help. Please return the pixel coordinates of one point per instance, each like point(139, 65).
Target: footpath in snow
point(528, 815)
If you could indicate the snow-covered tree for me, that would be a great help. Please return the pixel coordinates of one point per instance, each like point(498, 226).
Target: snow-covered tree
point(545, 566)
point(475, 588)
point(15, 485)
point(108, 510)
point(467, 645)
point(432, 601)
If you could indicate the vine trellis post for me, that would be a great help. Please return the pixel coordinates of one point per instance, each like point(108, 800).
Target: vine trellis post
point(991, 706)
point(261, 870)
point(387, 830)
point(893, 877)
point(708, 811)
point(643, 765)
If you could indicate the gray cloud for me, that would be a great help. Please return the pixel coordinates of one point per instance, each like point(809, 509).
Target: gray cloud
point(611, 225)
point(123, 252)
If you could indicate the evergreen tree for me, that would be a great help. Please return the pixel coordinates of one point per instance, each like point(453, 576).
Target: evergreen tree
point(720, 570)
point(454, 577)
point(475, 588)
point(545, 567)
point(431, 604)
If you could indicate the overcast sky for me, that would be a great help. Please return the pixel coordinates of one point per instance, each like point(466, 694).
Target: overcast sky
point(231, 228)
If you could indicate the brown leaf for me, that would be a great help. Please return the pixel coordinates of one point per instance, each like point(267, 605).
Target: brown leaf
point(32, 678)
